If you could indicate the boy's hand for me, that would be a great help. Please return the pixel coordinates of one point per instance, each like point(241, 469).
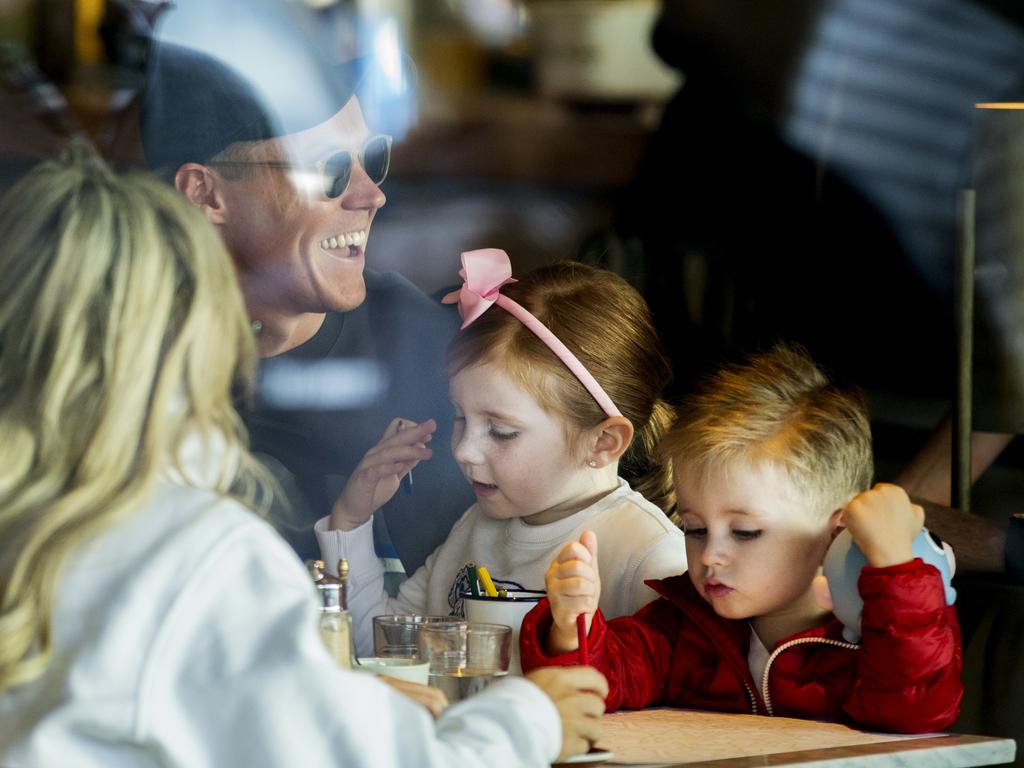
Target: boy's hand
point(574, 587)
point(578, 694)
point(376, 478)
point(884, 524)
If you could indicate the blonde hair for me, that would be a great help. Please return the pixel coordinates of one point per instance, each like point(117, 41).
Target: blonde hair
point(607, 325)
point(122, 330)
point(777, 406)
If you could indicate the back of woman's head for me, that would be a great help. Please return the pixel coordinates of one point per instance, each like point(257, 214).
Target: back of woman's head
point(115, 297)
point(777, 406)
point(122, 330)
point(607, 325)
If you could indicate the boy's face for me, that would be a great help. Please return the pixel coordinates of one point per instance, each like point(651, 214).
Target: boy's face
point(512, 451)
point(753, 544)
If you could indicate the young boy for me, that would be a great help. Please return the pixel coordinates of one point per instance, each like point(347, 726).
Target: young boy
point(771, 460)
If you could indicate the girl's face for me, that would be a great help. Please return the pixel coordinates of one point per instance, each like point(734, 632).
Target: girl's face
point(514, 453)
point(753, 544)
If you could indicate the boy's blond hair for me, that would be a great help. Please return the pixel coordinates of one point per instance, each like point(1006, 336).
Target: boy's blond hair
point(778, 406)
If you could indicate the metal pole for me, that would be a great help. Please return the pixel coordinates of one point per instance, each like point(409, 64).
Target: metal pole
point(960, 490)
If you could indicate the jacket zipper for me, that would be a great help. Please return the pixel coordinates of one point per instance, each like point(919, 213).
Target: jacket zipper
point(797, 641)
point(752, 696)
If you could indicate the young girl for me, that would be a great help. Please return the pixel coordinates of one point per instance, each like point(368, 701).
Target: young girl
point(770, 459)
point(556, 381)
point(147, 617)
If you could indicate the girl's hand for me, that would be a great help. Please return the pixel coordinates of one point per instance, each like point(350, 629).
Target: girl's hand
point(574, 587)
point(376, 478)
point(884, 524)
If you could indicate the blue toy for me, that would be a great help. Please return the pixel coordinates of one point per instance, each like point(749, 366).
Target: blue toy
point(843, 563)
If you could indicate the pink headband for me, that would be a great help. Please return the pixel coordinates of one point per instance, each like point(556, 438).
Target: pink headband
point(483, 273)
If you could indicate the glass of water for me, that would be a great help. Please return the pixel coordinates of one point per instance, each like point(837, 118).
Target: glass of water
point(465, 658)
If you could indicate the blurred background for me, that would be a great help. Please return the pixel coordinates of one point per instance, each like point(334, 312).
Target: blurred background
point(759, 170)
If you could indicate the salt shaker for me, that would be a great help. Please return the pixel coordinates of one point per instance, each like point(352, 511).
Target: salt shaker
point(335, 621)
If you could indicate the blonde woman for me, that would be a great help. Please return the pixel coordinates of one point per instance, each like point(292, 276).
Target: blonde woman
point(147, 616)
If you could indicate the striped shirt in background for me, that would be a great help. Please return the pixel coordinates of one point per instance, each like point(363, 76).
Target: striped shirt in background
point(884, 96)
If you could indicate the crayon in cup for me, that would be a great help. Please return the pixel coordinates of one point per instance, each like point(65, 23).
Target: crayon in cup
point(485, 580)
point(471, 575)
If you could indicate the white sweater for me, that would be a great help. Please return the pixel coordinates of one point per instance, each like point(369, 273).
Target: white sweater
point(187, 636)
point(636, 541)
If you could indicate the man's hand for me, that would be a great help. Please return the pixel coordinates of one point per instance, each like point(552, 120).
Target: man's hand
point(574, 587)
point(376, 478)
point(884, 523)
point(578, 694)
point(430, 697)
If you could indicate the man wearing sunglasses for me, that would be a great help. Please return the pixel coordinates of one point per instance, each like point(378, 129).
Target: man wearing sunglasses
point(294, 190)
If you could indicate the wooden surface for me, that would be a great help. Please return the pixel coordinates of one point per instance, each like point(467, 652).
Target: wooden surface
point(677, 737)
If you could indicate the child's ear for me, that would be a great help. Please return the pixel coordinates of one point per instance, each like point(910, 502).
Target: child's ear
point(835, 522)
point(199, 186)
point(613, 436)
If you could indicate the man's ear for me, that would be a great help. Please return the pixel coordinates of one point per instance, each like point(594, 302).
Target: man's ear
point(614, 435)
point(202, 188)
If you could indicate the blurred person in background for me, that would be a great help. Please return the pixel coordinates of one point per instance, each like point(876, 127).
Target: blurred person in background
point(275, 150)
point(813, 155)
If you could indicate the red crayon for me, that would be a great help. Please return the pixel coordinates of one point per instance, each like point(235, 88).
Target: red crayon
point(581, 634)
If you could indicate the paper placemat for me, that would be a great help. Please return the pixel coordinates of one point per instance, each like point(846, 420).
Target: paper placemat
point(677, 735)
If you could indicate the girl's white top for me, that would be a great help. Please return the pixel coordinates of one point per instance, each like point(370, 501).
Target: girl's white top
point(636, 541)
point(187, 636)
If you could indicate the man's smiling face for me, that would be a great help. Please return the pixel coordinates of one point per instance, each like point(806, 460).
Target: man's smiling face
point(296, 250)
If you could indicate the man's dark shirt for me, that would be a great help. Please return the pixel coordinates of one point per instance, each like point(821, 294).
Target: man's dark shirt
point(312, 452)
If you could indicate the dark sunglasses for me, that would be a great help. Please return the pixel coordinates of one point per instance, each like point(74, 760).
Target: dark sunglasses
point(334, 172)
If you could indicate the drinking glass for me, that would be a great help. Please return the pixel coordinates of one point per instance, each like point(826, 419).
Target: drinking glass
point(465, 658)
point(396, 635)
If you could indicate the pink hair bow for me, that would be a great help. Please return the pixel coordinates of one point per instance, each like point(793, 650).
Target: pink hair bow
point(483, 273)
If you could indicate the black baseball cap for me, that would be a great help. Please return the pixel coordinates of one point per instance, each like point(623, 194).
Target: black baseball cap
point(195, 105)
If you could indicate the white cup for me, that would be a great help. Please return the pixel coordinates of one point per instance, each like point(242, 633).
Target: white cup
point(508, 610)
point(410, 670)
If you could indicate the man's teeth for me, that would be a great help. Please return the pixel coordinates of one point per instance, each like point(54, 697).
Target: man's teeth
point(344, 241)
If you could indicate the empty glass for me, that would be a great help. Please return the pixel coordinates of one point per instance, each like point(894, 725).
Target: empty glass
point(396, 635)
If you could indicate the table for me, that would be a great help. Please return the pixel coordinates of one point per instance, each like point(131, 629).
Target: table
point(685, 737)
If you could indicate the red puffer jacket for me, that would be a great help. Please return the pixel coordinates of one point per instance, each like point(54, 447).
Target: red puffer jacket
point(676, 651)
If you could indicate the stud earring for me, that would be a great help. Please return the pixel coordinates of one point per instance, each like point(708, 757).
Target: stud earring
point(592, 463)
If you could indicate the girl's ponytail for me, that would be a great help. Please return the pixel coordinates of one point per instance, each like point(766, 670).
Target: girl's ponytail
point(644, 467)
